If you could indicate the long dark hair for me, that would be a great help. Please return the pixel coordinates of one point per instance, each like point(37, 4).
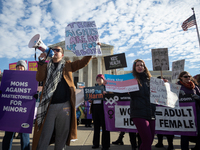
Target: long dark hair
point(136, 74)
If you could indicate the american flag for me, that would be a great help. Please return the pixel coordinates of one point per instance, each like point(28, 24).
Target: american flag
point(191, 21)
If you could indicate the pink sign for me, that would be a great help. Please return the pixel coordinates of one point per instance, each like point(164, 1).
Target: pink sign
point(12, 66)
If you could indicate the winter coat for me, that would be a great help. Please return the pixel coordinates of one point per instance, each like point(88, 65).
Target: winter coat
point(140, 106)
point(189, 91)
point(41, 75)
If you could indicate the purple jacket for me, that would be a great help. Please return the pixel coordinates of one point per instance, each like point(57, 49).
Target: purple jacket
point(189, 91)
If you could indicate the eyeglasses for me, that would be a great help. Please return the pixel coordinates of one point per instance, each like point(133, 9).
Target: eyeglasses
point(186, 76)
point(57, 50)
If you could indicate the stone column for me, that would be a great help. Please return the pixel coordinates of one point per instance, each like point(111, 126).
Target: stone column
point(90, 73)
point(80, 74)
point(99, 65)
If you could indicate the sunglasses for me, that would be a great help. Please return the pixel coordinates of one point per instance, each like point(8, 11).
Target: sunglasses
point(57, 50)
point(186, 76)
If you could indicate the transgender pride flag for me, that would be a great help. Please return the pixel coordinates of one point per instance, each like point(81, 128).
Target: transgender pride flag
point(121, 83)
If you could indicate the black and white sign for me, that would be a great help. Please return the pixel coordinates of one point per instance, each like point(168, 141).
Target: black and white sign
point(177, 68)
point(160, 59)
point(115, 61)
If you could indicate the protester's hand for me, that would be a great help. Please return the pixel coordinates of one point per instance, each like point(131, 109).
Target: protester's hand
point(104, 92)
point(90, 101)
point(98, 43)
point(165, 80)
point(35, 96)
point(196, 97)
point(182, 92)
point(42, 56)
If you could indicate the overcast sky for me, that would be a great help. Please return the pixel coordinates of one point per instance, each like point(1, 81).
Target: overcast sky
point(131, 26)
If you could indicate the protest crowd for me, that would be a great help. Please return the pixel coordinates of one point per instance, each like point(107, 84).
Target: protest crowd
point(136, 103)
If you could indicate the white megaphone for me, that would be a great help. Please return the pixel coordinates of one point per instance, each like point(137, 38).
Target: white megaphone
point(36, 42)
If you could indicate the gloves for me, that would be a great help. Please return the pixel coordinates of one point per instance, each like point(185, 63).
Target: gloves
point(182, 93)
point(196, 97)
point(35, 96)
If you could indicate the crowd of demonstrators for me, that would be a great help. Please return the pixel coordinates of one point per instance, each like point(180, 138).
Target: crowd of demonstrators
point(56, 114)
point(8, 137)
point(189, 88)
point(97, 111)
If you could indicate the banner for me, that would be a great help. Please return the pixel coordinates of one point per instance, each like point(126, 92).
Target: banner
point(160, 59)
point(117, 112)
point(115, 61)
point(121, 83)
point(17, 103)
point(164, 93)
point(93, 93)
point(178, 121)
point(81, 38)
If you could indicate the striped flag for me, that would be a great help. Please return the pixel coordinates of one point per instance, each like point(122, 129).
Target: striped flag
point(191, 21)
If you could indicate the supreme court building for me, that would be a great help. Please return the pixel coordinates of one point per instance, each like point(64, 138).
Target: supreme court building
point(96, 65)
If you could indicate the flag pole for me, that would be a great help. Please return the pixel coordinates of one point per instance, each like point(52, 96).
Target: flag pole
point(196, 26)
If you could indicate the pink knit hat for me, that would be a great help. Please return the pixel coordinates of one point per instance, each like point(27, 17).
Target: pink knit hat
point(100, 75)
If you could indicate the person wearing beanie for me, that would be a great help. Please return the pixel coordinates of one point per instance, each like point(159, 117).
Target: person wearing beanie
point(8, 137)
point(20, 64)
point(97, 111)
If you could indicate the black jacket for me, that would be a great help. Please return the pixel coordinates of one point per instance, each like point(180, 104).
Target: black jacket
point(140, 106)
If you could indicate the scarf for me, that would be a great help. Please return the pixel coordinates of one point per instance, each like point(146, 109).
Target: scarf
point(189, 85)
point(54, 76)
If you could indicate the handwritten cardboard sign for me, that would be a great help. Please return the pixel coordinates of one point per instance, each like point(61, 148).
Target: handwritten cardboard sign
point(81, 38)
point(164, 93)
